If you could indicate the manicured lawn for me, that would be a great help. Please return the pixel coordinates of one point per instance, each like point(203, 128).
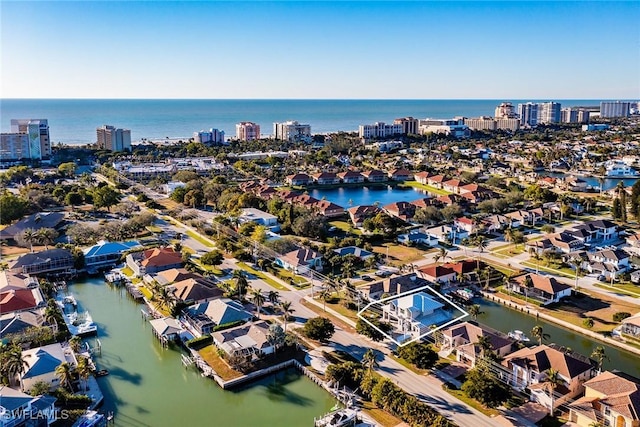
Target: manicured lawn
point(472, 402)
point(262, 276)
point(383, 418)
point(400, 254)
point(429, 188)
point(410, 366)
point(286, 275)
point(562, 271)
point(127, 272)
point(339, 308)
point(627, 288)
point(154, 229)
point(500, 267)
point(345, 226)
point(210, 355)
point(200, 239)
point(321, 313)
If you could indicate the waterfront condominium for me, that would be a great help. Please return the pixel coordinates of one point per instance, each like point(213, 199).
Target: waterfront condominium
point(212, 136)
point(379, 130)
point(292, 131)
point(574, 115)
point(247, 131)
point(611, 109)
point(549, 112)
point(29, 139)
point(505, 110)
point(409, 125)
point(113, 139)
point(528, 114)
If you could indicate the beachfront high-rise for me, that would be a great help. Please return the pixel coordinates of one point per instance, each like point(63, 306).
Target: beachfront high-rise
point(292, 131)
point(38, 144)
point(212, 136)
point(247, 131)
point(528, 114)
point(409, 125)
point(505, 110)
point(113, 139)
point(379, 130)
point(549, 112)
point(574, 115)
point(611, 109)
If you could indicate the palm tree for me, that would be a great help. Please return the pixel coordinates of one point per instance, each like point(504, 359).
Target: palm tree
point(84, 370)
point(508, 235)
point(51, 316)
point(538, 332)
point(273, 297)
point(528, 285)
point(599, 356)
point(258, 299)
point(474, 311)
point(75, 343)
point(165, 297)
point(575, 263)
point(551, 382)
point(442, 254)
point(241, 284)
point(370, 360)
point(286, 309)
point(64, 372)
point(481, 244)
point(484, 342)
point(46, 236)
point(12, 362)
point(30, 235)
point(324, 294)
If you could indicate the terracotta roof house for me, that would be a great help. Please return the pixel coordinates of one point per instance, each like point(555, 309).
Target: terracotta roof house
point(464, 337)
point(300, 261)
point(20, 300)
point(326, 178)
point(246, 340)
point(351, 177)
point(374, 176)
point(15, 281)
point(402, 210)
point(153, 261)
point(436, 181)
point(195, 289)
point(529, 367)
point(173, 275)
point(422, 203)
point(611, 398)
point(359, 213)
point(50, 261)
point(299, 179)
point(545, 289)
point(422, 177)
point(400, 175)
point(437, 273)
point(452, 185)
point(328, 209)
point(466, 224)
point(205, 316)
point(450, 199)
point(34, 222)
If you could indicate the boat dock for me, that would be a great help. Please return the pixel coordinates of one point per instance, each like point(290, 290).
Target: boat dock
point(134, 291)
point(78, 323)
point(114, 277)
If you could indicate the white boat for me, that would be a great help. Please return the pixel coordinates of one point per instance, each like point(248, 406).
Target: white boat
point(339, 418)
point(518, 335)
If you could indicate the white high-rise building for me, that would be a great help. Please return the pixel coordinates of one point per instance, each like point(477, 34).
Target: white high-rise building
point(528, 114)
point(379, 130)
point(409, 125)
point(292, 131)
point(247, 131)
point(507, 110)
point(37, 131)
point(611, 109)
point(212, 136)
point(113, 139)
point(549, 112)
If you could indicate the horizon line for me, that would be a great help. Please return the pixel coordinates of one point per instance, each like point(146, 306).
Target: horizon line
point(313, 99)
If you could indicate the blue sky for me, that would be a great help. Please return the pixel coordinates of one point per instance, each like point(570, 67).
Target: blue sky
point(421, 50)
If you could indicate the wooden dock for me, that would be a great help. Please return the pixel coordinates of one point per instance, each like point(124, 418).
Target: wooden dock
point(134, 292)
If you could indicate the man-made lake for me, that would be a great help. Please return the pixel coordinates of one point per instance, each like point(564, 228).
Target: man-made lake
point(147, 385)
point(504, 319)
point(607, 184)
point(356, 196)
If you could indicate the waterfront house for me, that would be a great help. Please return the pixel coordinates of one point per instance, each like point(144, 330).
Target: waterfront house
point(464, 338)
point(466, 224)
point(106, 254)
point(438, 273)
point(355, 251)
point(374, 176)
point(166, 329)
point(328, 209)
point(529, 368)
point(422, 177)
point(610, 399)
point(17, 322)
point(359, 213)
point(299, 179)
point(401, 210)
point(259, 217)
point(631, 326)
point(436, 180)
point(413, 314)
point(415, 237)
point(18, 409)
point(195, 289)
point(608, 263)
point(35, 222)
point(15, 281)
point(300, 261)
point(399, 175)
point(153, 260)
point(41, 364)
point(392, 286)
point(545, 289)
point(17, 300)
point(249, 340)
point(452, 185)
point(423, 202)
point(51, 261)
point(206, 316)
point(169, 276)
point(351, 177)
point(326, 178)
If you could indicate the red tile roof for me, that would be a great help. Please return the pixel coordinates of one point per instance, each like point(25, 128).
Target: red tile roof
point(14, 300)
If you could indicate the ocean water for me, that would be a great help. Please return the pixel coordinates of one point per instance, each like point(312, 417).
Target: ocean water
point(74, 121)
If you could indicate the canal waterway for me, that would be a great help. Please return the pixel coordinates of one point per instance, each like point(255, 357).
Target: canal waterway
point(505, 319)
point(368, 195)
point(593, 182)
point(148, 386)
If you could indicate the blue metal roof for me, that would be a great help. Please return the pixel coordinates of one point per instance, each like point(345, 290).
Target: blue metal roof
point(107, 248)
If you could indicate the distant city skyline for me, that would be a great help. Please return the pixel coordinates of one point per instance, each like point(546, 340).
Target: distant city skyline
point(320, 50)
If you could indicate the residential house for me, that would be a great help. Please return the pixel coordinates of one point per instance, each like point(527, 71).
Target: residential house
point(415, 237)
point(499, 222)
point(374, 176)
point(166, 329)
point(355, 251)
point(359, 213)
point(206, 316)
point(16, 281)
point(36, 222)
point(600, 229)
point(169, 276)
point(326, 178)
point(399, 175)
point(51, 261)
point(299, 179)
point(436, 180)
point(539, 247)
point(18, 409)
point(351, 177)
point(249, 340)
point(437, 273)
point(18, 300)
point(450, 199)
point(529, 367)
point(328, 209)
point(392, 286)
point(300, 261)
point(608, 263)
point(401, 210)
point(464, 338)
point(413, 314)
point(523, 217)
point(422, 203)
point(107, 254)
point(631, 326)
point(466, 224)
point(422, 177)
point(446, 233)
point(545, 289)
point(195, 289)
point(259, 217)
point(17, 321)
point(153, 261)
point(41, 364)
point(610, 399)
point(452, 185)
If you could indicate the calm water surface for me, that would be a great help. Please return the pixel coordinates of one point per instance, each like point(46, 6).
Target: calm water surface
point(355, 196)
point(148, 386)
point(504, 319)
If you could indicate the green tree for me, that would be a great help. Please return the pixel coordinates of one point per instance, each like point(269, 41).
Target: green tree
point(40, 388)
point(538, 333)
point(213, 257)
point(29, 236)
point(616, 209)
point(12, 207)
point(474, 311)
point(599, 355)
point(273, 297)
point(483, 386)
point(588, 323)
point(11, 362)
point(551, 383)
point(46, 236)
point(75, 343)
point(318, 328)
point(73, 198)
point(105, 197)
point(84, 370)
point(622, 194)
point(370, 360)
point(67, 169)
point(178, 194)
point(419, 354)
point(286, 310)
point(65, 372)
point(442, 254)
point(258, 299)
point(372, 332)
